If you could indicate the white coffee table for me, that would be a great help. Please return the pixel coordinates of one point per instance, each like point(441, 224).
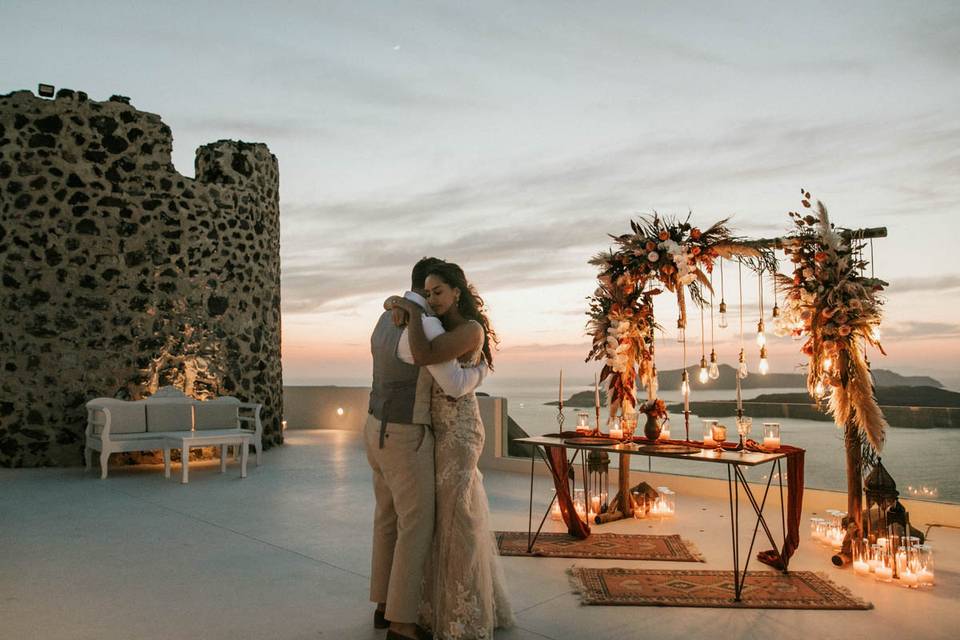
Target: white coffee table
point(224, 438)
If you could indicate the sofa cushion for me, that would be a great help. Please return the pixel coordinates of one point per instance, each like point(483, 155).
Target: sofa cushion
point(169, 416)
point(216, 414)
point(125, 417)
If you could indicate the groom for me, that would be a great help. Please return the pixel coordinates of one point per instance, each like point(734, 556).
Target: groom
point(399, 446)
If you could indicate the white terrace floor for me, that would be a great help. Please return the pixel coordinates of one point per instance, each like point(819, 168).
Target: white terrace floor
point(284, 554)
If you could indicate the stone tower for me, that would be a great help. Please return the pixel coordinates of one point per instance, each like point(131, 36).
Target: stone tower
point(120, 275)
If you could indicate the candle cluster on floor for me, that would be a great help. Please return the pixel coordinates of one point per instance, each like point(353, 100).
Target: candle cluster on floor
point(897, 559)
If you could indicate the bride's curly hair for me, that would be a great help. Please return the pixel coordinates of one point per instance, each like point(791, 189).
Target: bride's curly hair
point(470, 306)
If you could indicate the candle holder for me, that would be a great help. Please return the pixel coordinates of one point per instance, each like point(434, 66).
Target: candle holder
point(744, 426)
point(583, 423)
point(771, 435)
point(925, 566)
point(628, 423)
point(639, 504)
point(860, 550)
point(665, 504)
point(708, 433)
point(719, 435)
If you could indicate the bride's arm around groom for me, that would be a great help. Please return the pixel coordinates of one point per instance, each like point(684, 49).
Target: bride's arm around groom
point(424, 342)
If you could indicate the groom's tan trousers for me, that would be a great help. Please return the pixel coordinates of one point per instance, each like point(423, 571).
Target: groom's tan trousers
point(403, 484)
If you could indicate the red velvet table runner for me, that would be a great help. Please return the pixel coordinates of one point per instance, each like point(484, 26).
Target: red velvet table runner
point(559, 467)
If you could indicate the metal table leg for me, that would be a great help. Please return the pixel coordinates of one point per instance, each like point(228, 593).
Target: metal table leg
point(734, 480)
point(531, 536)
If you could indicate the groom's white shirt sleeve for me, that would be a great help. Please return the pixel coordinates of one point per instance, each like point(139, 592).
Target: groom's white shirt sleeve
point(455, 380)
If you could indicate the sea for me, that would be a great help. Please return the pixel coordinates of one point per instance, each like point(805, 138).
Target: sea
point(923, 462)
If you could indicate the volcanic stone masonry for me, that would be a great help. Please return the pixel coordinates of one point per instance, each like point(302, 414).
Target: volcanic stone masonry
point(119, 275)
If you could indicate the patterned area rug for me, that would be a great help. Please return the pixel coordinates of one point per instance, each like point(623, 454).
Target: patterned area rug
point(762, 589)
point(614, 546)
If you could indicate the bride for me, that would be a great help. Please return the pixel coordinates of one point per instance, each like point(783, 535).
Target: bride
point(464, 595)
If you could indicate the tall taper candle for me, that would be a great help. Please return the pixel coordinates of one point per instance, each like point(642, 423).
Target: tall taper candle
point(596, 402)
point(596, 392)
point(561, 390)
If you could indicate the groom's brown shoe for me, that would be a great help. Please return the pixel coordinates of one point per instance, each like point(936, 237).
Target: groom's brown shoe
point(393, 635)
point(379, 620)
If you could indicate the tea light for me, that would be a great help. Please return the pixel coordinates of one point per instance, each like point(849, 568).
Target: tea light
point(925, 576)
point(555, 513)
point(595, 504)
point(616, 433)
point(664, 433)
point(884, 573)
point(860, 567)
point(909, 578)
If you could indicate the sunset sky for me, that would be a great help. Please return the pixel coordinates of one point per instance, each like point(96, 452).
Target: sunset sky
point(512, 137)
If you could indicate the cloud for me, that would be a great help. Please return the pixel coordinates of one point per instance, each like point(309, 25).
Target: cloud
point(539, 224)
point(925, 283)
point(919, 329)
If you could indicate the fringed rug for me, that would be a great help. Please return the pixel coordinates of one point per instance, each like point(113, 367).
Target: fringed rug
point(615, 546)
point(669, 588)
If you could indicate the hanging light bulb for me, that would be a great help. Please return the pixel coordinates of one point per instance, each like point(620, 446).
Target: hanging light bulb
point(742, 366)
point(761, 336)
point(704, 375)
point(681, 331)
point(685, 384)
point(764, 364)
point(775, 313)
point(819, 390)
point(714, 370)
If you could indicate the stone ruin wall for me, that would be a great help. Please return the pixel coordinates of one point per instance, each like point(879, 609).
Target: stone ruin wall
point(119, 275)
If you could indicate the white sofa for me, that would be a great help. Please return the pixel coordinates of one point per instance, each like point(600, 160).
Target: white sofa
point(145, 425)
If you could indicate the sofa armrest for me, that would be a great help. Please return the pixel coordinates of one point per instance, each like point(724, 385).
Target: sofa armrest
point(253, 420)
point(98, 415)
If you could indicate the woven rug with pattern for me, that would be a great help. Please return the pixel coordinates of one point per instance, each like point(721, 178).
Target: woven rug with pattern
point(672, 588)
point(598, 546)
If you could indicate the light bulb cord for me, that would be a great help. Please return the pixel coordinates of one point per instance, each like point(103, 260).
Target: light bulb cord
point(740, 279)
point(712, 343)
point(703, 340)
point(760, 287)
point(722, 297)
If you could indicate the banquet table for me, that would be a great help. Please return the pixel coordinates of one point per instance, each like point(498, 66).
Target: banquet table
point(555, 448)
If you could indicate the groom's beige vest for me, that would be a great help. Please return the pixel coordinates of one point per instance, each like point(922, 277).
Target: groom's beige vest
point(400, 392)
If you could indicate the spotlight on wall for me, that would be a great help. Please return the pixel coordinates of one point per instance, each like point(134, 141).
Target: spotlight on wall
point(339, 411)
point(45, 90)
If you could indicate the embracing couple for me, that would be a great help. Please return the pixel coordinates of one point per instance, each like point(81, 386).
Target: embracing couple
point(435, 564)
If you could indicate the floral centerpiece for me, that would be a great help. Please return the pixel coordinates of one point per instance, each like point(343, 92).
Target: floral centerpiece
point(659, 254)
point(837, 310)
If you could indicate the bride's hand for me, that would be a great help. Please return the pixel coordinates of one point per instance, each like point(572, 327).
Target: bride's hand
point(401, 308)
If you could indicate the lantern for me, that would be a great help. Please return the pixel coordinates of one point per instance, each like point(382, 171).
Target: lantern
point(881, 495)
point(598, 471)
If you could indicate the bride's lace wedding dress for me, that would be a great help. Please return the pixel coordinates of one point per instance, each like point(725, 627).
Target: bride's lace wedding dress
point(464, 595)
